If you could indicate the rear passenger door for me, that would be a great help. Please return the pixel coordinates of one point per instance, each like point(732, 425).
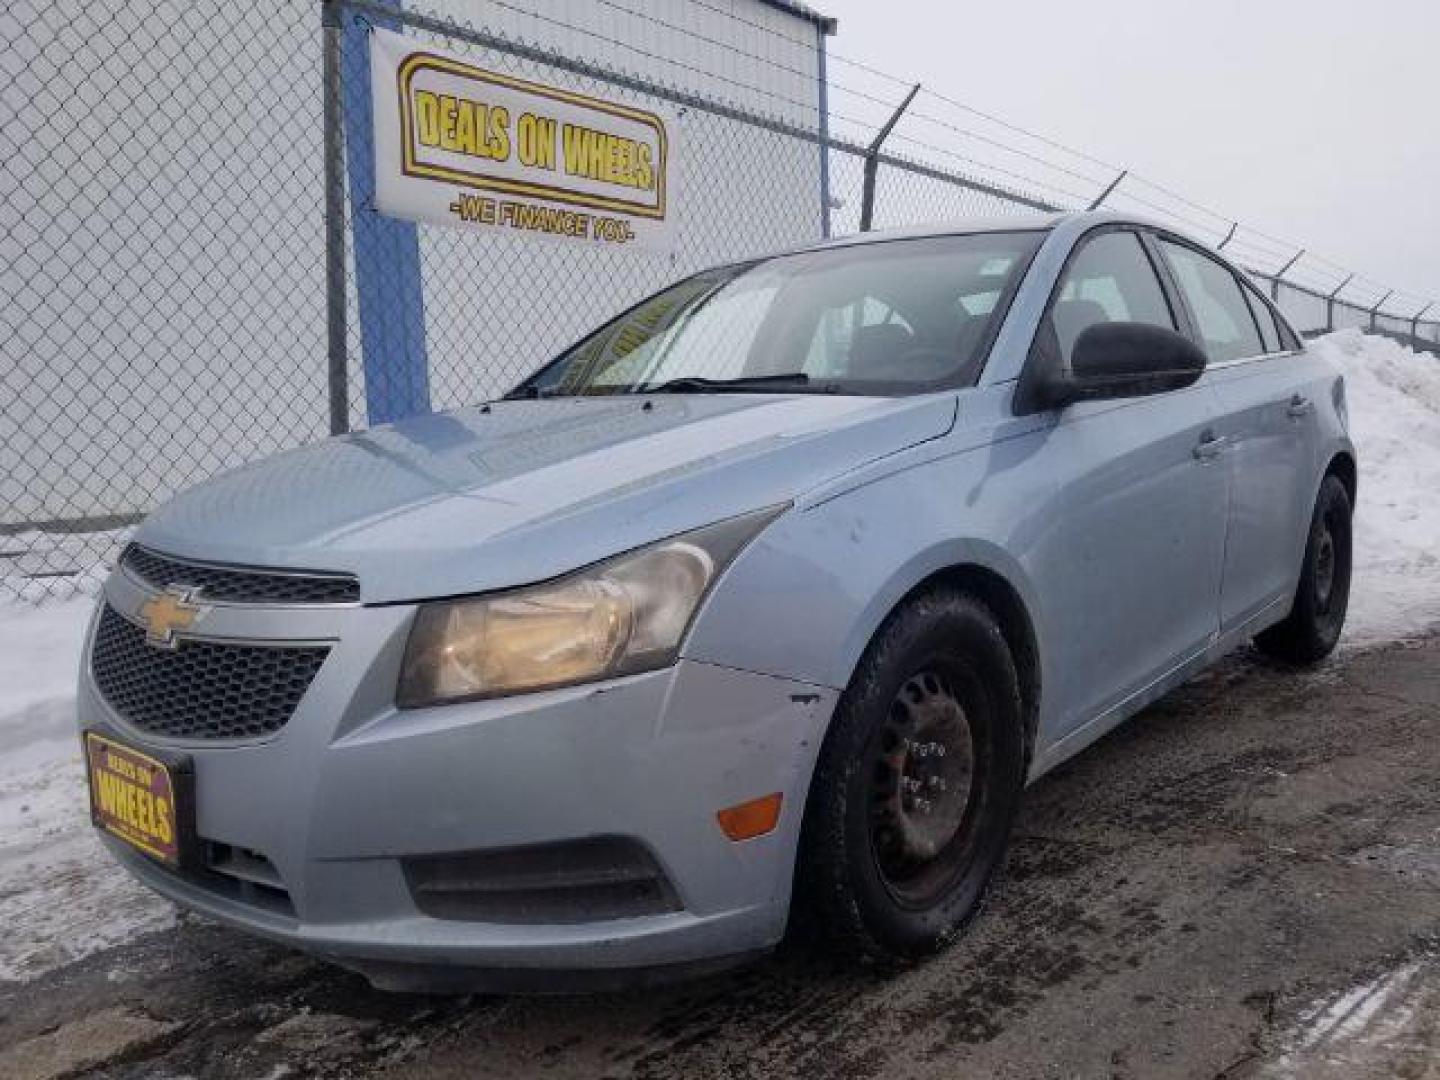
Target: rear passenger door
point(1267, 429)
point(1130, 568)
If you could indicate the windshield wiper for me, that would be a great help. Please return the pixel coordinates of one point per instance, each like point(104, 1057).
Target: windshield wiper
point(696, 384)
point(529, 392)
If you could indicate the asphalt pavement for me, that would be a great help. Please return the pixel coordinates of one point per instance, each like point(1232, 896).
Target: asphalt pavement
point(1242, 882)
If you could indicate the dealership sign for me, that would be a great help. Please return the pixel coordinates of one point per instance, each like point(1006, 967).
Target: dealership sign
point(457, 144)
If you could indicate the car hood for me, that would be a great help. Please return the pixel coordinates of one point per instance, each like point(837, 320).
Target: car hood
point(480, 499)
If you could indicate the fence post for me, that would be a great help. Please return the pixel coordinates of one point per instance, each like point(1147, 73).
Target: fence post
point(872, 160)
point(1375, 311)
point(1330, 303)
point(824, 95)
point(1275, 281)
point(335, 330)
point(1108, 189)
point(1415, 321)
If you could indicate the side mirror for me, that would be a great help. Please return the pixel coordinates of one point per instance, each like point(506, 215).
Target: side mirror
point(1110, 360)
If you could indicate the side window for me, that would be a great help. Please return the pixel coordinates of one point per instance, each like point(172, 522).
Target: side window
point(1109, 280)
point(1269, 332)
point(1220, 308)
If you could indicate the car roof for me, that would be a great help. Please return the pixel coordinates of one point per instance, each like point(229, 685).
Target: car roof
point(998, 223)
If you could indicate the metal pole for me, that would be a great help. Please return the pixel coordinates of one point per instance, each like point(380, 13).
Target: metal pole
point(1275, 281)
point(335, 331)
point(1228, 236)
point(1108, 189)
point(872, 160)
point(1374, 311)
point(1415, 322)
point(824, 90)
point(1330, 303)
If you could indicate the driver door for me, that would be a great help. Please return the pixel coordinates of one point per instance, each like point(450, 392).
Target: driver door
point(1129, 570)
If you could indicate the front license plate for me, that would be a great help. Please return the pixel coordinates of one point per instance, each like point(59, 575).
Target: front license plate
point(137, 798)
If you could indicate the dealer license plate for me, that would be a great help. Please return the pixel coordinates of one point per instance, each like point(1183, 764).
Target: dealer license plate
point(137, 798)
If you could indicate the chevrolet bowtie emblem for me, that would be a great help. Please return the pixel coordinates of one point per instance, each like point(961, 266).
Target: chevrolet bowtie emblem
point(174, 609)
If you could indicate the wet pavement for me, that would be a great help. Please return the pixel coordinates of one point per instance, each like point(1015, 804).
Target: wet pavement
point(1242, 882)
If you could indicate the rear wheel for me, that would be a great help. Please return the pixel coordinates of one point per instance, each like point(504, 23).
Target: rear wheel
point(918, 782)
point(1310, 631)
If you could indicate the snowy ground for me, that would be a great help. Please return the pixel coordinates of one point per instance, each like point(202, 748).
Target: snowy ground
point(61, 900)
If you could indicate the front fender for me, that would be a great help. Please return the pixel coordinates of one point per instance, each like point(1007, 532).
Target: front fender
point(805, 599)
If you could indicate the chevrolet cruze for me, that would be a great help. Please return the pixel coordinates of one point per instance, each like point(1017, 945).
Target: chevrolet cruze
point(763, 603)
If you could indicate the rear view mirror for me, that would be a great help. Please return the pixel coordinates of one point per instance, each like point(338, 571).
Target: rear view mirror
point(1111, 360)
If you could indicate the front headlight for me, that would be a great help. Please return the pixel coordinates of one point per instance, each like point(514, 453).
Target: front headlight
point(621, 616)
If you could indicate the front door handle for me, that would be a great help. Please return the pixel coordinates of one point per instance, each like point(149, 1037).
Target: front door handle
point(1209, 446)
point(1299, 407)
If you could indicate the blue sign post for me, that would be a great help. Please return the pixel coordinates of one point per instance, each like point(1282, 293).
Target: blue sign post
point(387, 258)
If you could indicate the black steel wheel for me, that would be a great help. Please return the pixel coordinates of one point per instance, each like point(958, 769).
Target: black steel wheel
point(918, 782)
point(1309, 633)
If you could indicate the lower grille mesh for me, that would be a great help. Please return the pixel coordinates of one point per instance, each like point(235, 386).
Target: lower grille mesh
point(202, 689)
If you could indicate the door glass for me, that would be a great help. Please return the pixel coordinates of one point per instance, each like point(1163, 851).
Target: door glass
point(1268, 332)
point(1225, 323)
point(1109, 280)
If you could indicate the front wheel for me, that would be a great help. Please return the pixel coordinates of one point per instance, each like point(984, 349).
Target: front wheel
point(918, 782)
point(1310, 631)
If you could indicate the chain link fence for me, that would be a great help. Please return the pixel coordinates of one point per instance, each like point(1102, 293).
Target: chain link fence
point(161, 246)
point(167, 221)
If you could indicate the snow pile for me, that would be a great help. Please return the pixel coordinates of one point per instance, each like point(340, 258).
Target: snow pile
point(61, 899)
point(1394, 397)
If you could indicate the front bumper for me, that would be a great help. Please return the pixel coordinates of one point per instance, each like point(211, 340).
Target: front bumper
point(334, 804)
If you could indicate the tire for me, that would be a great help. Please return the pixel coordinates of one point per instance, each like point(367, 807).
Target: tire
point(934, 704)
point(1310, 631)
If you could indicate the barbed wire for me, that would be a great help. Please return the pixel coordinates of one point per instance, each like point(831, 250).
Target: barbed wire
point(1262, 244)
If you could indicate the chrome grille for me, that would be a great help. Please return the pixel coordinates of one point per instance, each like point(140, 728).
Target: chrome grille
point(241, 585)
point(201, 689)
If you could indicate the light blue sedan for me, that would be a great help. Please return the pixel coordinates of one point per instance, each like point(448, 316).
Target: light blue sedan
point(763, 603)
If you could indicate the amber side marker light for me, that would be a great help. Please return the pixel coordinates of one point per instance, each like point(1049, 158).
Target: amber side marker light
point(750, 819)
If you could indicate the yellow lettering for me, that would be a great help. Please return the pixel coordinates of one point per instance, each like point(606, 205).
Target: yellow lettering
point(644, 169)
point(499, 140)
point(427, 118)
point(596, 155)
point(162, 821)
point(535, 138)
point(576, 142)
point(449, 115)
point(105, 788)
point(465, 127)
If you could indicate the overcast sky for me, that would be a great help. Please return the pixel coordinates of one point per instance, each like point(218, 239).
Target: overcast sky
point(1314, 120)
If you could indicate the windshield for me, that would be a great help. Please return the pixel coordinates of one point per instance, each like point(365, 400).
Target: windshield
point(900, 316)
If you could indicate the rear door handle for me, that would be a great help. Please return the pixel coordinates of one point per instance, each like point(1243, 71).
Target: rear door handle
point(1209, 446)
point(1299, 407)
